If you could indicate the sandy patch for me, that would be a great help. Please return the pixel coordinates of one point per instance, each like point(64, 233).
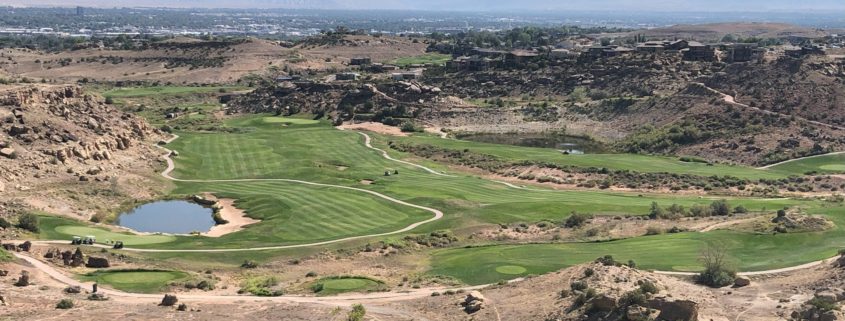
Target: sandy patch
point(374, 127)
point(237, 218)
point(366, 182)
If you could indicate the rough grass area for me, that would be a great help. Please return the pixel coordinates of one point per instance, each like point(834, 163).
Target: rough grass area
point(137, 281)
point(343, 284)
point(134, 92)
point(429, 58)
point(823, 164)
point(6, 256)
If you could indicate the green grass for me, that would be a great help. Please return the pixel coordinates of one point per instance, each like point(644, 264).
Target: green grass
point(57, 228)
point(137, 281)
point(134, 92)
point(669, 252)
point(6, 256)
point(429, 58)
point(290, 120)
point(344, 284)
point(825, 164)
point(632, 162)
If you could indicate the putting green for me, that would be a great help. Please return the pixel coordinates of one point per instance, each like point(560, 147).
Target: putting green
point(292, 121)
point(511, 269)
point(102, 235)
point(335, 285)
point(833, 167)
point(143, 281)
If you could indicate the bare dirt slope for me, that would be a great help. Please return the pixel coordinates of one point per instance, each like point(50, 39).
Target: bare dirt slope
point(188, 61)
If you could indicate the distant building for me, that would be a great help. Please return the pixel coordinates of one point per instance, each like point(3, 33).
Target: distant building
point(742, 52)
point(80, 11)
point(347, 76)
point(360, 61)
point(697, 51)
point(520, 56)
point(562, 53)
point(655, 47)
point(407, 75)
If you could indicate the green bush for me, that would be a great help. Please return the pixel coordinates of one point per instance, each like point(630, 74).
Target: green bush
point(647, 286)
point(720, 208)
point(578, 286)
point(357, 314)
point(29, 222)
point(4, 223)
point(65, 304)
point(576, 220)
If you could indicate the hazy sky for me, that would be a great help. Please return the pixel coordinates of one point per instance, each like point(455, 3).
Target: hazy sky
point(470, 5)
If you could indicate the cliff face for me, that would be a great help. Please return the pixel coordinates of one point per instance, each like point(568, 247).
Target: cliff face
point(59, 132)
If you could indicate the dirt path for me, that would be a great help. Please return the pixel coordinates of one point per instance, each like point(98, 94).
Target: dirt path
point(774, 271)
point(384, 154)
point(339, 300)
point(731, 100)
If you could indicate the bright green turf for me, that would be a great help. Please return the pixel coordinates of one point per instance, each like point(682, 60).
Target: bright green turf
point(679, 252)
point(137, 281)
point(57, 228)
point(511, 269)
point(827, 164)
point(337, 285)
point(429, 58)
point(134, 92)
point(290, 120)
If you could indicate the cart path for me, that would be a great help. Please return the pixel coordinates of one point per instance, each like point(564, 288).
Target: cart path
point(798, 159)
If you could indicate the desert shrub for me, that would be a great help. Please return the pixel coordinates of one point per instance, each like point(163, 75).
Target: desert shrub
point(576, 220)
point(29, 222)
point(720, 208)
point(65, 304)
point(249, 264)
point(608, 260)
point(647, 286)
point(589, 272)
point(717, 273)
point(578, 286)
point(311, 274)
point(4, 223)
point(740, 209)
point(823, 305)
point(781, 213)
point(357, 314)
point(656, 211)
point(635, 297)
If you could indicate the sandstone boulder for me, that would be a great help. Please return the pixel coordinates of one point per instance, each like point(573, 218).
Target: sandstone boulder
point(74, 289)
point(473, 302)
point(603, 302)
point(680, 310)
point(169, 300)
point(742, 281)
point(23, 280)
point(97, 262)
point(8, 152)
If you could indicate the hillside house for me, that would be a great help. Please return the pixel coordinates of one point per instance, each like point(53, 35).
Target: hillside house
point(742, 52)
point(697, 51)
point(360, 61)
point(347, 76)
point(653, 47)
point(407, 75)
point(562, 53)
point(520, 56)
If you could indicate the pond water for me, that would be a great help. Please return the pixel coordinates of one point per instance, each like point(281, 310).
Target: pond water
point(563, 143)
point(174, 217)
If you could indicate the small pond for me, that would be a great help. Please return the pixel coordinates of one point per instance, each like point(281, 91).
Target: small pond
point(174, 217)
point(564, 143)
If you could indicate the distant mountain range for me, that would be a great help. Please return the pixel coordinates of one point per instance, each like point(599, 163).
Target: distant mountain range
point(821, 6)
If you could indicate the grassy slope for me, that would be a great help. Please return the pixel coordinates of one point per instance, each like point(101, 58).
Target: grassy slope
point(132, 92)
point(633, 162)
point(826, 164)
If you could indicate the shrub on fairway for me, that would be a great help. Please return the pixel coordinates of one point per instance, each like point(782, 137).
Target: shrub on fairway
point(576, 220)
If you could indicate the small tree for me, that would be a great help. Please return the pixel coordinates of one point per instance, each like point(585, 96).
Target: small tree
point(576, 220)
point(656, 211)
point(29, 222)
point(717, 272)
